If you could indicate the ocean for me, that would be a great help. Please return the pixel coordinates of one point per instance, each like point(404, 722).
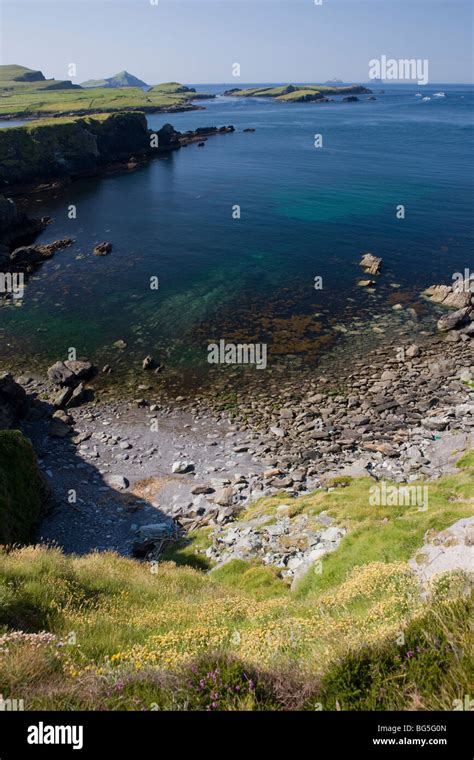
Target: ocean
point(305, 212)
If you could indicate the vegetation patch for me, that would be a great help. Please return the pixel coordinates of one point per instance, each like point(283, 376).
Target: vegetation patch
point(105, 632)
point(23, 492)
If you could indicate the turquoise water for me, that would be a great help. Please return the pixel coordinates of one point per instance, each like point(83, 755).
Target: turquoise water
point(305, 212)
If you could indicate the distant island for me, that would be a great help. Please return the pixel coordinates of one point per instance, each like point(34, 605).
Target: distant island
point(297, 93)
point(122, 79)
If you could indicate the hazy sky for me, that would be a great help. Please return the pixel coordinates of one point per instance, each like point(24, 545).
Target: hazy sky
point(197, 41)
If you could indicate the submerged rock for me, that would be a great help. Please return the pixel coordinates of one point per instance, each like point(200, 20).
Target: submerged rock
point(148, 362)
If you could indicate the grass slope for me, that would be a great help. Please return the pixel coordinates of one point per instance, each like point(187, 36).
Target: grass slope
point(53, 98)
point(107, 632)
point(15, 73)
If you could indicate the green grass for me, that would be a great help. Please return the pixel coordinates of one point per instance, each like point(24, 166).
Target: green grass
point(33, 101)
point(431, 670)
point(23, 494)
point(132, 635)
point(251, 577)
point(191, 551)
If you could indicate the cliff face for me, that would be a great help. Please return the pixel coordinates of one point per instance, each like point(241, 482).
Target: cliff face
point(55, 150)
point(15, 226)
point(67, 149)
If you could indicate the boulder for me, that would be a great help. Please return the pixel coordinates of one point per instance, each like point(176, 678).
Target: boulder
point(62, 397)
point(451, 549)
point(413, 351)
point(102, 249)
point(223, 496)
point(202, 489)
point(118, 482)
point(437, 293)
point(59, 429)
point(82, 369)
point(457, 296)
point(59, 374)
point(77, 396)
point(455, 319)
point(279, 432)
point(180, 467)
point(371, 263)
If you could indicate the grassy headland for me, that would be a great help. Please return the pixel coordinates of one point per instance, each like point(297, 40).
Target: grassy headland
point(26, 93)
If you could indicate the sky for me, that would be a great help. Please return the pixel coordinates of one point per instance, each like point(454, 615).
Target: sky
point(199, 41)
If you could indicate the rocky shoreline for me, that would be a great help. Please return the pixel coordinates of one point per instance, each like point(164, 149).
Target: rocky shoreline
point(130, 473)
point(143, 466)
point(50, 157)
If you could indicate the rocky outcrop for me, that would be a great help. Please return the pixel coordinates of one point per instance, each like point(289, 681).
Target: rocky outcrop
point(184, 138)
point(81, 147)
point(102, 249)
point(28, 257)
point(460, 297)
point(70, 373)
point(16, 226)
point(455, 296)
point(293, 544)
point(450, 550)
